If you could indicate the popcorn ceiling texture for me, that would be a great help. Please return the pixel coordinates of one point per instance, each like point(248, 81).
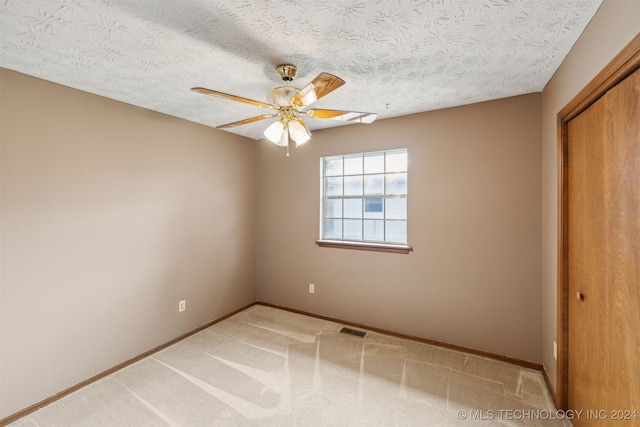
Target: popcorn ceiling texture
point(398, 57)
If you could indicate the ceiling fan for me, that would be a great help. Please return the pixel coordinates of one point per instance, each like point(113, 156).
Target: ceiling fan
point(290, 103)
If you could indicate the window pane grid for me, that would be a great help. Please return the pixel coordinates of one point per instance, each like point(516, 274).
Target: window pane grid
point(364, 197)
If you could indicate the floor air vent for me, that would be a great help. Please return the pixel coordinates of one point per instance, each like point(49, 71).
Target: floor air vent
point(350, 331)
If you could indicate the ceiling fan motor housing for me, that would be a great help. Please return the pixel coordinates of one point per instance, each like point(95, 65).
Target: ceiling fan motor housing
point(280, 96)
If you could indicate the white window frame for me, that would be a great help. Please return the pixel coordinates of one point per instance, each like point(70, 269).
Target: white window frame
point(384, 245)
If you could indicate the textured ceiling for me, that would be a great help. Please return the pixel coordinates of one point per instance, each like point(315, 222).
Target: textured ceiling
point(397, 56)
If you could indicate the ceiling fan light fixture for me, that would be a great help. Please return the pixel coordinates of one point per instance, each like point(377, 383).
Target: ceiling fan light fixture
point(299, 132)
point(274, 132)
point(284, 139)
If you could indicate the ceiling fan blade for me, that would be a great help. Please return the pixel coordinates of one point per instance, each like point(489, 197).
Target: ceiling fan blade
point(246, 121)
point(346, 116)
point(232, 97)
point(322, 85)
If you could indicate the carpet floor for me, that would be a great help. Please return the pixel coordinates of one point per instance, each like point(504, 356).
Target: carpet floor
point(269, 367)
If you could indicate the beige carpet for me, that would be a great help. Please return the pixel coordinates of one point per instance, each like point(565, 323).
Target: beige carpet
point(268, 367)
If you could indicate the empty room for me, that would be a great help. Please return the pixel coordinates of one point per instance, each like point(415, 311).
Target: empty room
point(309, 213)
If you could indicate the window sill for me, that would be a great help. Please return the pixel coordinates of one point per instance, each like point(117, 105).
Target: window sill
point(375, 247)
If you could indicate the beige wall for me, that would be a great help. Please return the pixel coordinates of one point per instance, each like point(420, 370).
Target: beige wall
point(110, 215)
point(611, 29)
point(473, 278)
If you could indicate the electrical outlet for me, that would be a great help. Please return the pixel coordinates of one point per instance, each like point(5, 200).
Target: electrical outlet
point(312, 288)
point(182, 305)
point(555, 350)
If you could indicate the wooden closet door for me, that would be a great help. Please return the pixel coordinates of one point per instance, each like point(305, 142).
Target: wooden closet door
point(604, 257)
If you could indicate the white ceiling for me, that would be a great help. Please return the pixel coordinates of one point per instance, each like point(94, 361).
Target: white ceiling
point(397, 56)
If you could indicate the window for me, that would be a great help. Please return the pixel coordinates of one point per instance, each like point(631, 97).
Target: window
point(364, 198)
